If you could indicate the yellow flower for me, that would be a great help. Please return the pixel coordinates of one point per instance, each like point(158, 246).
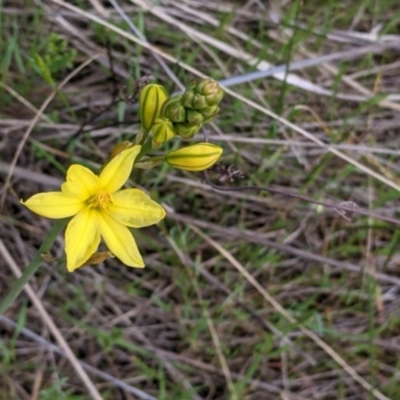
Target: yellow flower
point(100, 210)
point(196, 157)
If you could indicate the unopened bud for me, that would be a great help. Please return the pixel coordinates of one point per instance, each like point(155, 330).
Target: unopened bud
point(174, 110)
point(201, 94)
point(196, 157)
point(194, 117)
point(162, 130)
point(151, 100)
point(186, 131)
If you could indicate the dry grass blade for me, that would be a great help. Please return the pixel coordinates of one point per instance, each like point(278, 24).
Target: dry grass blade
point(51, 325)
point(263, 65)
point(211, 327)
point(335, 356)
point(33, 123)
point(23, 101)
point(125, 34)
point(53, 348)
point(236, 95)
point(139, 34)
point(307, 255)
point(289, 286)
point(311, 137)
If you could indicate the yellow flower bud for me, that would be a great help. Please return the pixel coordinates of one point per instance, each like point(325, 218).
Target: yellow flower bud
point(196, 157)
point(162, 130)
point(151, 100)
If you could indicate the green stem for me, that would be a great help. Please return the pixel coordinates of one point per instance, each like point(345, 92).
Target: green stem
point(34, 265)
point(145, 149)
point(145, 136)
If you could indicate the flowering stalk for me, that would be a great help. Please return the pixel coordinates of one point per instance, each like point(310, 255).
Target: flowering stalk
point(96, 205)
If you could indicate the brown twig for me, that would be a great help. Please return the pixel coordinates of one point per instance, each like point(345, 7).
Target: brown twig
point(344, 208)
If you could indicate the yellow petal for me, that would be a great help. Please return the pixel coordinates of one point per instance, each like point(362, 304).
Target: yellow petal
point(54, 204)
point(82, 237)
point(81, 182)
point(120, 241)
point(117, 171)
point(134, 208)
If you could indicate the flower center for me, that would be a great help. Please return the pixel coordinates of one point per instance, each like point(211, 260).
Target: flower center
point(101, 200)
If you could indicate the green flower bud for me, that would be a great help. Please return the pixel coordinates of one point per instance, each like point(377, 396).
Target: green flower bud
point(174, 110)
point(194, 117)
point(162, 130)
point(209, 113)
point(196, 157)
point(194, 100)
point(187, 99)
point(204, 93)
point(215, 98)
point(151, 99)
point(211, 89)
point(186, 131)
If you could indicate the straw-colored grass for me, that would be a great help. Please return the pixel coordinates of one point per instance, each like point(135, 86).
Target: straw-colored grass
point(247, 293)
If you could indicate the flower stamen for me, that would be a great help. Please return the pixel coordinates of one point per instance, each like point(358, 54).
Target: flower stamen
point(101, 200)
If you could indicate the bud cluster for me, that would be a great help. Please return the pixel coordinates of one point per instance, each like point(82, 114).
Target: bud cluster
point(164, 117)
point(196, 106)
